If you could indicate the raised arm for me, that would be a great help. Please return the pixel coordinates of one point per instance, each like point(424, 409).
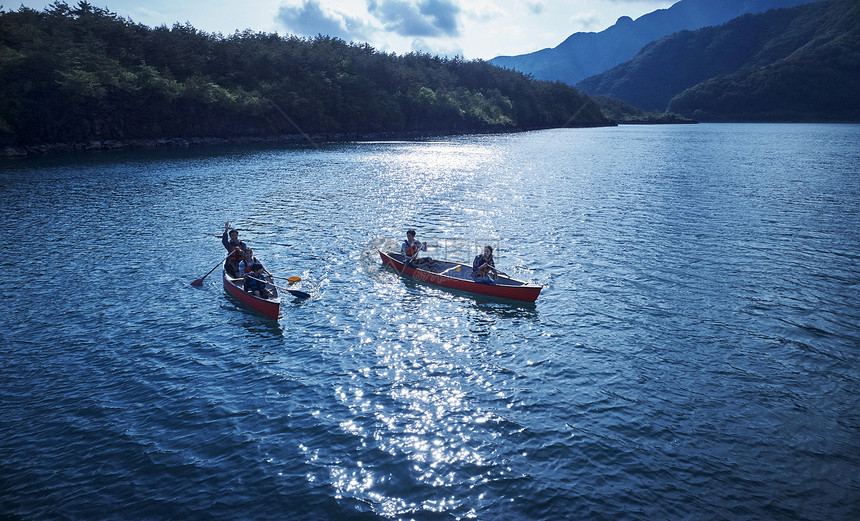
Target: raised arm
point(225, 240)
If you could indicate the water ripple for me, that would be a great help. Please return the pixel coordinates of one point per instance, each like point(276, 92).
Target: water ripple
point(693, 353)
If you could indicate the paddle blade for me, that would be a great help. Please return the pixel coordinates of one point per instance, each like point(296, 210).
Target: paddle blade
point(198, 282)
point(299, 294)
point(293, 280)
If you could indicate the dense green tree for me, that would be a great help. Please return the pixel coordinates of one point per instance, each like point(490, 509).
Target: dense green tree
point(75, 74)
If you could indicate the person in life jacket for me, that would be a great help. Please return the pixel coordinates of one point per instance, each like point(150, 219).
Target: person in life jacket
point(247, 260)
point(235, 249)
point(255, 282)
point(411, 247)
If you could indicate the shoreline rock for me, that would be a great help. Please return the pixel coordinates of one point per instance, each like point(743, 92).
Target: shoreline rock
point(286, 139)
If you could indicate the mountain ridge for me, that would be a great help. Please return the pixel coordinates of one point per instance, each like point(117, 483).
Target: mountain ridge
point(797, 64)
point(584, 54)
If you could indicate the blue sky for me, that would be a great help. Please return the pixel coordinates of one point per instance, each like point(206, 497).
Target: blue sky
point(471, 28)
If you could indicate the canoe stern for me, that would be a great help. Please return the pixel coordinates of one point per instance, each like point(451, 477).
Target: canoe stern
point(270, 308)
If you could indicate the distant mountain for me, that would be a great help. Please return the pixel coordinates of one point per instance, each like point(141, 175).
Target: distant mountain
point(799, 64)
point(585, 54)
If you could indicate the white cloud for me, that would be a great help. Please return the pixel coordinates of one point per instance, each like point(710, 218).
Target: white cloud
point(535, 7)
point(310, 18)
point(417, 18)
point(475, 28)
point(423, 46)
point(586, 22)
point(484, 11)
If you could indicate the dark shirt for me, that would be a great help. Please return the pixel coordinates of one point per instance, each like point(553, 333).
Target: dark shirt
point(479, 261)
point(255, 282)
point(225, 240)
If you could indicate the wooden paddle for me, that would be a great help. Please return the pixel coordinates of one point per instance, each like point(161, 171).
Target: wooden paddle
point(293, 292)
point(502, 273)
point(291, 280)
point(199, 282)
point(421, 248)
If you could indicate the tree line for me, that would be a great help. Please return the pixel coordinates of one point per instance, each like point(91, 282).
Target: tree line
point(80, 73)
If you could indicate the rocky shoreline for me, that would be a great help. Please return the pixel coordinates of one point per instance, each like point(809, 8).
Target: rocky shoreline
point(285, 139)
point(131, 144)
point(137, 144)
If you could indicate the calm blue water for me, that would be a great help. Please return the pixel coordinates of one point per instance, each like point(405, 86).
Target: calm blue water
point(695, 353)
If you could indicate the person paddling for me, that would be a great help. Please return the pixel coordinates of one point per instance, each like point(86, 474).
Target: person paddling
point(411, 247)
point(248, 259)
point(255, 282)
point(483, 265)
point(235, 248)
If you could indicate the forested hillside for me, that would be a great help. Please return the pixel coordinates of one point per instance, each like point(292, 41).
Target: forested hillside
point(81, 74)
point(799, 64)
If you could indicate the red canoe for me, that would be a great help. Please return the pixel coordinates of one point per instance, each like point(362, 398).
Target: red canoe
point(454, 275)
point(269, 307)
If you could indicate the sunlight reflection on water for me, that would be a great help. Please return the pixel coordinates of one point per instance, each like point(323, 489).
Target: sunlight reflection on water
point(693, 342)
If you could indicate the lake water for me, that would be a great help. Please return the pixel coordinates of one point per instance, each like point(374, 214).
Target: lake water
point(694, 354)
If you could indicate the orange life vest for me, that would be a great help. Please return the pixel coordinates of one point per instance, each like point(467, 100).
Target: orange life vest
point(411, 250)
point(236, 255)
